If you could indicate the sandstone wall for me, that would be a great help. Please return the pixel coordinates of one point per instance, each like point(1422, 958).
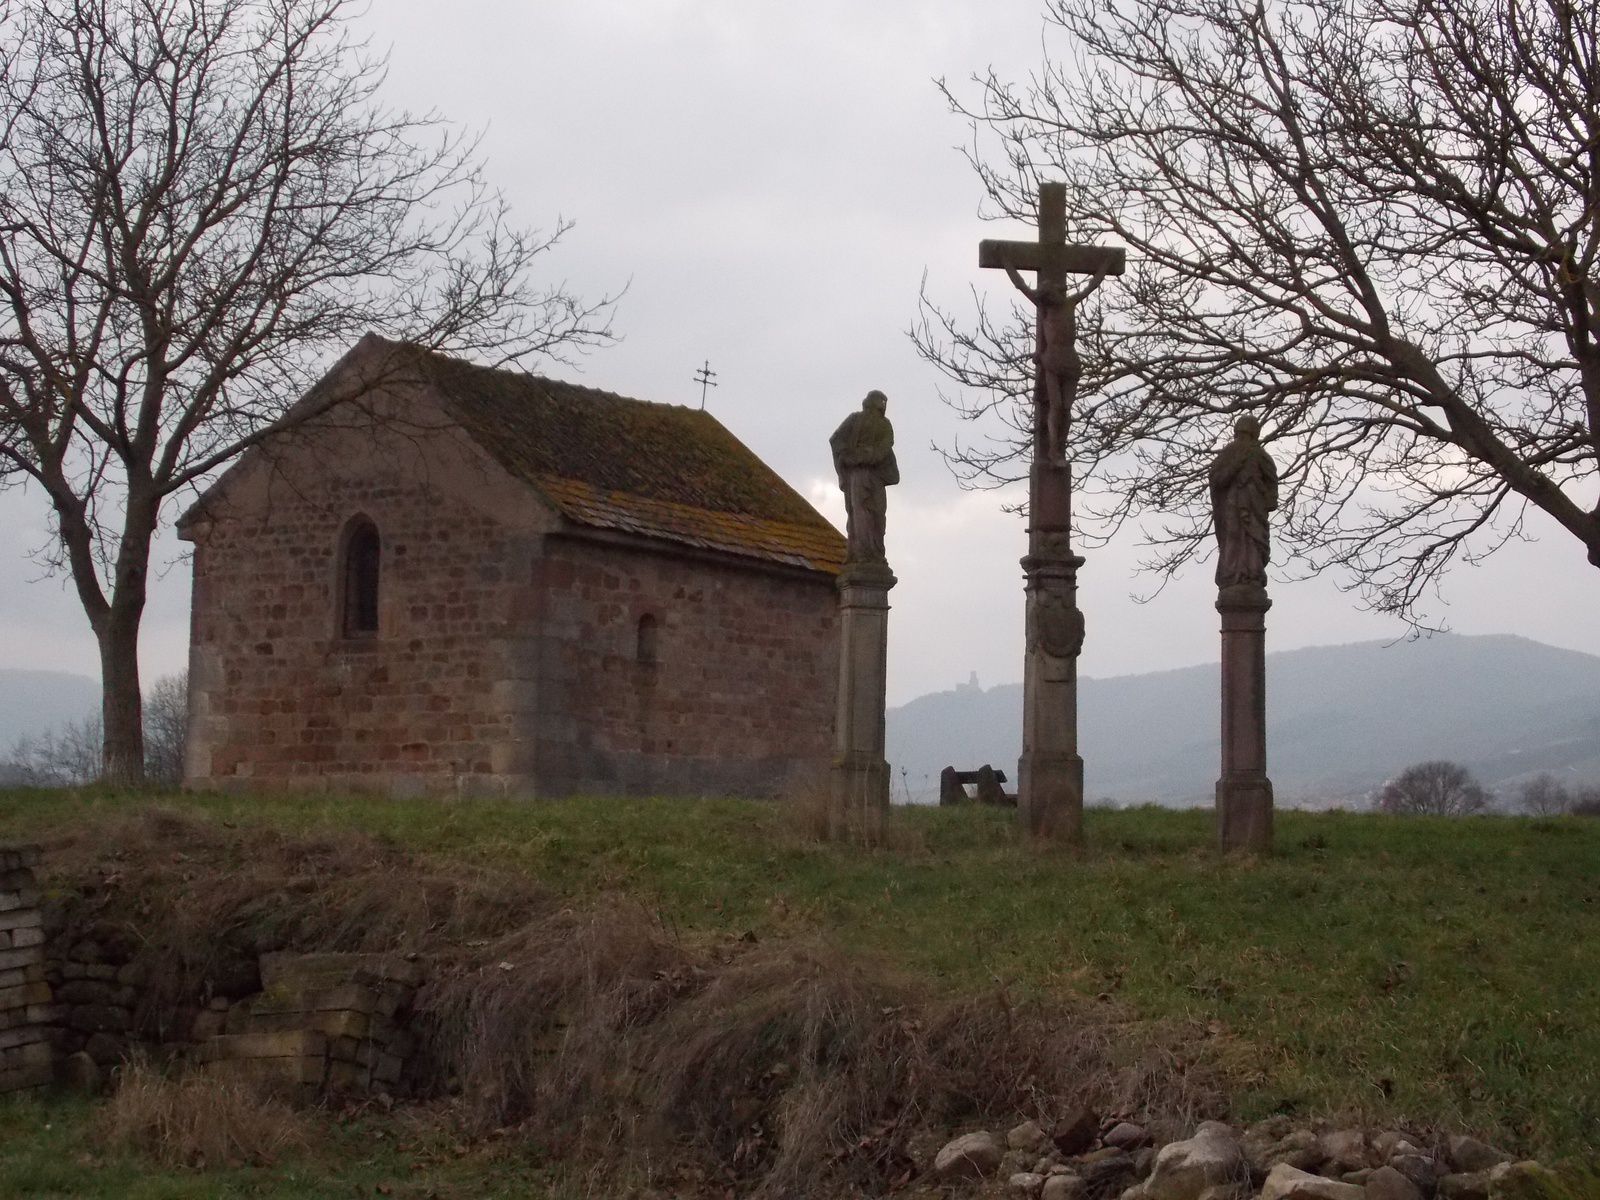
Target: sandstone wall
point(280, 697)
point(507, 657)
point(27, 1012)
point(735, 694)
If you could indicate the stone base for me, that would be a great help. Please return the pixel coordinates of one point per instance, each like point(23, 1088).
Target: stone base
point(866, 572)
point(1244, 814)
point(858, 794)
point(1050, 796)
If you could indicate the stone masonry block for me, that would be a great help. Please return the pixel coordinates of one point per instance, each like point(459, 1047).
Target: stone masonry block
point(25, 1078)
point(23, 996)
point(295, 1043)
point(18, 858)
point(11, 977)
point(20, 918)
point(21, 957)
point(348, 997)
point(23, 1035)
point(27, 1055)
point(302, 1071)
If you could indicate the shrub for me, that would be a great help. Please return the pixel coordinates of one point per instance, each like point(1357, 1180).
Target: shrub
point(1544, 796)
point(1586, 802)
point(1438, 787)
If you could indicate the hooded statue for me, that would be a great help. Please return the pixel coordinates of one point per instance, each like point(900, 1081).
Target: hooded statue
point(863, 456)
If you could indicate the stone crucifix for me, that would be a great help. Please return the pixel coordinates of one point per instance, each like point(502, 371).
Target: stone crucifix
point(1052, 259)
point(1050, 773)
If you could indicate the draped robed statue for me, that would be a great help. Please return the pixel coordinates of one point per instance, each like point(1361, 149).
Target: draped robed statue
point(1244, 489)
point(863, 456)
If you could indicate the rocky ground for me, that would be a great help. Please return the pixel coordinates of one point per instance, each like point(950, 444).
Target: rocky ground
point(1085, 1158)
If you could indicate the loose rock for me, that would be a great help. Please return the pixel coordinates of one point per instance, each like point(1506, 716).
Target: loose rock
point(1288, 1183)
point(1077, 1133)
point(1025, 1183)
point(1107, 1172)
point(1346, 1149)
point(1469, 1154)
point(1064, 1187)
point(1185, 1169)
point(970, 1156)
point(1519, 1179)
point(1028, 1136)
point(82, 1074)
point(1464, 1185)
point(1299, 1148)
point(1418, 1168)
point(1388, 1184)
point(1125, 1135)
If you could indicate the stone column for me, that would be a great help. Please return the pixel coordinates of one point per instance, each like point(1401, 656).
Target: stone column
point(1244, 793)
point(1050, 772)
point(860, 781)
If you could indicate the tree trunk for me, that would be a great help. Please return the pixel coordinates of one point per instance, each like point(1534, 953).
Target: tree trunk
point(121, 701)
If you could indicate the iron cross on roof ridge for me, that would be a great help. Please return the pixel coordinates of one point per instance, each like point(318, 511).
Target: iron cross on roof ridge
point(1050, 255)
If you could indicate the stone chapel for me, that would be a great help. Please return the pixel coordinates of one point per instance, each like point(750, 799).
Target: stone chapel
point(454, 579)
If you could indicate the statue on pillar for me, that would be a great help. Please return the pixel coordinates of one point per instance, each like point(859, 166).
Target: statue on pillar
point(863, 457)
point(1244, 489)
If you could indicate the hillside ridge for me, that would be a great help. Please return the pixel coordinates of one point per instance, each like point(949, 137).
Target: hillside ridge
point(1341, 719)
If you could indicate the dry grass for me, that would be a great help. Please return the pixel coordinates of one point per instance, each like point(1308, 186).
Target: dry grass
point(221, 896)
point(189, 1119)
point(774, 1066)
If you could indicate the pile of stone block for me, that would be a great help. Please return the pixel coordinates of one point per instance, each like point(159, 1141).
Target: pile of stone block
point(97, 998)
point(27, 1012)
point(323, 1023)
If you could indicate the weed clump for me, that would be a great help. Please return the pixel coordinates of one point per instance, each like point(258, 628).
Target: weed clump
point(775, 1065)
point(778, 1065)
point(196, 1120)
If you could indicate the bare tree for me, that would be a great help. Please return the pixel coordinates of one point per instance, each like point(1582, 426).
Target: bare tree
point(201, 201)
point(71, 756)
point(1544, 796)
point(65, 757)
point(166, 729)
point(1441, 788)
point(1372, 224)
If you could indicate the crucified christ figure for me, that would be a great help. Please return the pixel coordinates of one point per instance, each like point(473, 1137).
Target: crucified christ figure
point(1057, 357)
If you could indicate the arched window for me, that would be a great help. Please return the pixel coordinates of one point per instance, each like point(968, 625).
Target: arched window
point(358, 579)
point(648, 635)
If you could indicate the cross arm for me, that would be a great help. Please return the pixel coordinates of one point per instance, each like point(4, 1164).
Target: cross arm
point(1047, 259)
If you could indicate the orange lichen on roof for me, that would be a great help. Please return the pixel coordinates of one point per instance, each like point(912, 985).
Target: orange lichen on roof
point(740, 533)
point(609, 462)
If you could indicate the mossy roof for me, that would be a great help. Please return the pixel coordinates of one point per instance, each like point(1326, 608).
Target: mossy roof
point(608, 462)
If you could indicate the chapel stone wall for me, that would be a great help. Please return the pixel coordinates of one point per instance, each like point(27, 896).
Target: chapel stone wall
point(675, 673)
point(281, 697)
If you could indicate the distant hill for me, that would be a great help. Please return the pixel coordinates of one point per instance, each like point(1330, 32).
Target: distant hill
point(37, 702)
point(1340, 720)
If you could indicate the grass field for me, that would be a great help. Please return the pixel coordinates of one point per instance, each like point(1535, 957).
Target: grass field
point(1441, 972)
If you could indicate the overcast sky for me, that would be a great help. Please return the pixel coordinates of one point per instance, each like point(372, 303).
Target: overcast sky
point(771, 180)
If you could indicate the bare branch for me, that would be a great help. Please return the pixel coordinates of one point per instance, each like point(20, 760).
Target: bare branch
point(203, 203)
point(1372, 224)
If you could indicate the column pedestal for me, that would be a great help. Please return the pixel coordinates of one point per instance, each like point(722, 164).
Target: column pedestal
point(1050, 771)
point(1244, 793)
point(859, 782)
